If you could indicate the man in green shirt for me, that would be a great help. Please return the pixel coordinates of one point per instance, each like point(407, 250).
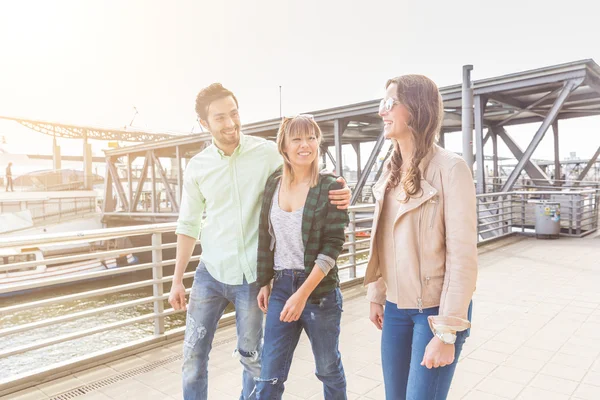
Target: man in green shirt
point(227, 180)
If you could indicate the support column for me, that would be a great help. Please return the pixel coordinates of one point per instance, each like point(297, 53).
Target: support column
point(179, 175)
point(467, 116)
point(129, 184)
point(357, 151)
point(442, 140)
point(496, 169)
point(87, 163)
point(55, 155)
point(557, 171)
point(479, 105)
point(155, 206)
point(337, 134)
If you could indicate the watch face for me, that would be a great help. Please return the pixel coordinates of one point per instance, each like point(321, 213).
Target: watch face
point(448, 338)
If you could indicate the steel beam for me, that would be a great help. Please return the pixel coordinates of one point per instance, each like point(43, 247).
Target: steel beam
point(168, 190)
point(479, 109)
point(331, 158)
point(339, 126)
point(179, 174)
point(155, 204)
point(356, 147)
point(141, 181)
point(129, 182)
point(467, 116)
point(108, 205)
point(529, 107)
point(362, 179)
point(557, 172)
point(568, 87)
point(110, 166)
point(495, 169)
point(532, 169)
point(589, 165)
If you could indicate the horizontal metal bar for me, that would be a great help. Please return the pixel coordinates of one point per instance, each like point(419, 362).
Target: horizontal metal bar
point(77, 257)
point(87, 313)
point(87, 332)
point(86, 235)
point(91, 293)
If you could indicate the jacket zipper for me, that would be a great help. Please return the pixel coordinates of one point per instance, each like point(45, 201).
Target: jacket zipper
point(435, 207)
point(420, 298)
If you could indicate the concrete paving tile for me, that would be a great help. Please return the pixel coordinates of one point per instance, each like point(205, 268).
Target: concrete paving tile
point(511, 374)
point(59, 386)
point(361, 385)
point(554, 384)
point(531, 393)
point(587, 392)
point(563, 371)
point(500, 387)
point(95, 374)
point(27, 394)
point(527, 364)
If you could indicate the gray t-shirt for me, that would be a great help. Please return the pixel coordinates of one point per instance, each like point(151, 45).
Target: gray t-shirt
point(287, 227)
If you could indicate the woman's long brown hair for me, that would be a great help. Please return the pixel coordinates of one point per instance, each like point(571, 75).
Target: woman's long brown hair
point(422, 99)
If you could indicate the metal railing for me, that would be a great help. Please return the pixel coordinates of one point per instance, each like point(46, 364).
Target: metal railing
point(499, 215)
point(49, 210)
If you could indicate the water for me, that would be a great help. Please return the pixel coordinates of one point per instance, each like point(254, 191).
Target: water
point(46, 356)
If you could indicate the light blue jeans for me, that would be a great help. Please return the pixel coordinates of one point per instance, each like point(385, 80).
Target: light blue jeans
point(320, 319)
point(405, 336)
point(208, 300)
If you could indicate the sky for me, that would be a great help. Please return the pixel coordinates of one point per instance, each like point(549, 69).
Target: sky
point(91, 62)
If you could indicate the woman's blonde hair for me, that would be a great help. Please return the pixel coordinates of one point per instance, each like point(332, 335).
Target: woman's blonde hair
point(422, 99)
point(298, 126)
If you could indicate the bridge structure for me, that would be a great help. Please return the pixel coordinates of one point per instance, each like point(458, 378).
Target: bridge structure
point(85, 133)
point(483, 110)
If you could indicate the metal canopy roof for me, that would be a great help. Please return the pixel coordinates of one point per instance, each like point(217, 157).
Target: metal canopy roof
point(512, 99)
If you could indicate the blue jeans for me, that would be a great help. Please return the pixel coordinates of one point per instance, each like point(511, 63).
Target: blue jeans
point(321, 321)
point(405, 335)
point(208, 300)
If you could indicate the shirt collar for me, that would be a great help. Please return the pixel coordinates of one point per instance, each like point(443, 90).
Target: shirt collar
point(237, 150)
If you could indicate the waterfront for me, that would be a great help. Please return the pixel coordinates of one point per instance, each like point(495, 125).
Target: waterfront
point(13, 365)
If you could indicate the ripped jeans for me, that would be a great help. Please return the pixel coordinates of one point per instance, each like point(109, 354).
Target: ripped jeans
point(321, 321)
point(208, 300)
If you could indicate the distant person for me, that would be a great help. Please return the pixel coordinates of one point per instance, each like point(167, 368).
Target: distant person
point(299, 240)
point(9, 179)
point(227, 179)
point(423, 259)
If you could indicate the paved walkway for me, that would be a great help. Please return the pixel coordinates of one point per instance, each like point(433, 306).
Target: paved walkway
point(536, 335)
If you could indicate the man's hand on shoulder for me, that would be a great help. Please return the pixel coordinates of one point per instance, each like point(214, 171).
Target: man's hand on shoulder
point(341, 197)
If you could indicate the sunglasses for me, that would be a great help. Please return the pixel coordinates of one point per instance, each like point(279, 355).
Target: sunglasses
point(387, 104)
point(309, 116)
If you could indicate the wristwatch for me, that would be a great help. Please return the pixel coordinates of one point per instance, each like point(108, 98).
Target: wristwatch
point(446, 337)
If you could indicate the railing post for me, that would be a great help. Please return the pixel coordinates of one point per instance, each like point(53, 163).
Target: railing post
point(157, 286)
point(522, 213)
point(352, 247)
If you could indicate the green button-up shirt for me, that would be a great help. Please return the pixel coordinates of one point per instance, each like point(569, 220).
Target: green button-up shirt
point(230, 189)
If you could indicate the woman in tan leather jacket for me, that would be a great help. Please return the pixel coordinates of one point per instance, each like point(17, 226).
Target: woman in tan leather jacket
point(423, 263)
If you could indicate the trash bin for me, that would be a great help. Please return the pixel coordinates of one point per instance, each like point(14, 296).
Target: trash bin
point(547, 220)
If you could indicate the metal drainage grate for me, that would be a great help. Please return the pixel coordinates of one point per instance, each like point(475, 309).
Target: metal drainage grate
point(85, 389)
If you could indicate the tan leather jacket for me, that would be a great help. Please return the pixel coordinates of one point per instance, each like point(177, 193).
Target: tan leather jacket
point(439, 266)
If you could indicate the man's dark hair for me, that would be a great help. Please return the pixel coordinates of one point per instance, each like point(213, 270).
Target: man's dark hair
point(209, 94)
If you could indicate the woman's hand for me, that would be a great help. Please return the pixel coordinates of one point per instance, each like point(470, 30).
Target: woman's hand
point(438, 354)
point(376, 315)
point(293, 307)
point(263, 298)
